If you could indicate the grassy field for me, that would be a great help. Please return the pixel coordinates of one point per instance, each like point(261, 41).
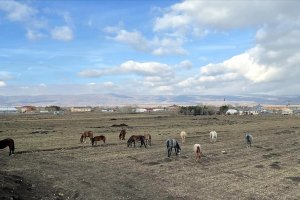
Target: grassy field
point(50, 163)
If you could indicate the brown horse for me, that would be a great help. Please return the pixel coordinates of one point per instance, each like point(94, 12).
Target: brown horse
point(122, 134)
point(198, 152)
point(148, 139)
point(8, 143)
point(135, 138)
point(86, 134)
point(98, 138)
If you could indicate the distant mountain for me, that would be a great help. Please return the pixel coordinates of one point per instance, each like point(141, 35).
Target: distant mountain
point(121, 100)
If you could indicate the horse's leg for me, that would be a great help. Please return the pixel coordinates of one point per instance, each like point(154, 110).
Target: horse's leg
point(143, 142)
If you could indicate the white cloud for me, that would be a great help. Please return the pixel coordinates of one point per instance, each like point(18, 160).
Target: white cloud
point(34, 35)
point(43, 85)
point(4, 75)
point(134, 39)
point(2, 84)
point(270, 66)
point(156, 46)
point(146, 68)
point(191, 14)
point(64, 33)
point(17, 11)
point(186, 64)
point(131, 67)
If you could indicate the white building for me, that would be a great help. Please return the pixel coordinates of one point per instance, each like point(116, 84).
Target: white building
point(232, 112)
point(287, 111)
point(8, 110)
point(81, 109)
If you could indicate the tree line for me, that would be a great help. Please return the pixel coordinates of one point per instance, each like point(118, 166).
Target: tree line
point(203, 110)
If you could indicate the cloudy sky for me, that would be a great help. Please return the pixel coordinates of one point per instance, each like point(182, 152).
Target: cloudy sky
point(150, 47)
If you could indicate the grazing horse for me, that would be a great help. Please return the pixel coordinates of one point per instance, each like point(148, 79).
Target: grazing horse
point(197, 150)
point(8, 143)
point(98, 138)
point(183, 136)
point(249, 139)
point(172, 143)
point(213, 136)
point(135, 138)
point(122, 134)
point(86, 134)
point(148, 139)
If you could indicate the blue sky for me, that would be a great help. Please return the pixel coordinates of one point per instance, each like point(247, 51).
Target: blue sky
point(149, 47)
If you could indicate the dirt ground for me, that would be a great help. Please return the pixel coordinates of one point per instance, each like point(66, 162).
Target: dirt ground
point(50, 163)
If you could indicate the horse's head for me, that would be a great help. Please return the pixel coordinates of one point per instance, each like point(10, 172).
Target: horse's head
point(129, 141)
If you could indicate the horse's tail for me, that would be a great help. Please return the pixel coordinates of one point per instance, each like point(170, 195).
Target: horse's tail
point(81, 139)
point(198, 150)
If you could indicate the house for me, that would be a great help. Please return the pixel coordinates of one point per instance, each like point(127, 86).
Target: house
point(174, 108)
point(140, 110)
point(81, 109)
point(232, 112)
point(258, 109)
point(28, 109)
point(287, 111)
point(8, 110)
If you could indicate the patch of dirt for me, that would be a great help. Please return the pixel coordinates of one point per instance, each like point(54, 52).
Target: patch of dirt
point(259, 166)
point(294, 178)
point(275, 165)
point(119, 125)
point(271, 155)
point(16, 187)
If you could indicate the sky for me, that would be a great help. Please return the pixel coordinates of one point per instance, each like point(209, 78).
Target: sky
point(150, 47)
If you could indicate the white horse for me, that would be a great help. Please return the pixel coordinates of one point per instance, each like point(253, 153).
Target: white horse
point(198, 151)
point(213, 136)
point(249, 139)
point(183, 136)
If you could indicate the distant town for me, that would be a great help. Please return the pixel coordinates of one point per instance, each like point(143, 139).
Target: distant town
point(179, 109)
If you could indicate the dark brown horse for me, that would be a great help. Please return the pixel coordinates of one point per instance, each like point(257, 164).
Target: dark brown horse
point(148, 139)
point(122, 134)
point(8, 143)
point(135, 138)
point(98, 138)
point(86, 134)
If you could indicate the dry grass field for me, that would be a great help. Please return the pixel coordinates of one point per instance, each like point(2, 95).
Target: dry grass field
point(50, 163)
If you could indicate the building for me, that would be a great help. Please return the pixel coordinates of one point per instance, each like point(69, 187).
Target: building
point(287, 111)
point(28, 109)
point(8, 110)
point(140, 110)
point(232, 112)
point(81, 109)
point(258, 109)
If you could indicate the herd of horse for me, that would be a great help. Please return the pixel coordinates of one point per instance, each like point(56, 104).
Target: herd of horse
point(171, 144)
point(145, 141)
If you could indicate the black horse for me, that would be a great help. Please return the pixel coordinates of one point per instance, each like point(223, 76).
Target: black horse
point(8, 143)
point(135, 138)
point(172, 143)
